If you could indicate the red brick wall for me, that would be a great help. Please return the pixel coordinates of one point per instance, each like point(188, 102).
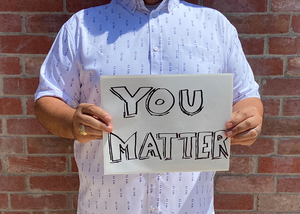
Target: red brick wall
point(264, 178)
point(38, 174)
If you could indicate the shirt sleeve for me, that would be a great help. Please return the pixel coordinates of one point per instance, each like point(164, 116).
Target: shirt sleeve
point(59, 75)
point(244, 84)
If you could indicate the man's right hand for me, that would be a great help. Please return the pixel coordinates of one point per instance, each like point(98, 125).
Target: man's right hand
point(62, 120)
point(94, 119)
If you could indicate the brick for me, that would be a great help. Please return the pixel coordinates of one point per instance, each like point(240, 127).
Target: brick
point(262, 146)
point(76, 5)
point(28, 126)
point(75, 201)
point(33, 65)
point(21, 164)
point(240, 165)
point(32, 6)
point(271, 107)
point(296, 24)
point(49, 145)
point(237, 6)
point(45, 23)
point(284, 45)
point(13, 183)
point(20, 86)
point(279, 203)
point(293, 67)
point(281, 127)
point(25, 44)
point(10, 65)
point(281, 87)
point(279, 165)
point(74, 167)
point(291, 107)
point(3, 201)
point(288, 184)
point(10, 23)
point(234, 202)
point(289, 147)
point(0, 165)
point(11, 145)
point(30, 106)
point(285, 6)
point(266, 67)
point(55, 183)
point(261, 24)
point(245, 184)
point(253, 46)
point(39, 201)
point(10, 106)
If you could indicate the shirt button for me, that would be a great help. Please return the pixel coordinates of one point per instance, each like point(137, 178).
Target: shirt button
point(155, 49)
point(154, 15)
point(152, 210)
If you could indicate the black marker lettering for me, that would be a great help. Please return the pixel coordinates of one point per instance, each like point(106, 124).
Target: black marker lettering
point(159, 102)
point(130, 101)
point(117, 147)
point(190, 108)
point(219, 145)
point(189, 139)
point(203, 145)
point(167, 143)
point(149, 147)
point(207, 145)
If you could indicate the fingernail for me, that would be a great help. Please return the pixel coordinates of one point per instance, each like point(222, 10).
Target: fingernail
point(229, 133)
point(108, 128)
point(107, 118)
point(229, 125)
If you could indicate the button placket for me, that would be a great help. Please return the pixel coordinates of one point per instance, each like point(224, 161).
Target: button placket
point(153, 193)
point(154, 35)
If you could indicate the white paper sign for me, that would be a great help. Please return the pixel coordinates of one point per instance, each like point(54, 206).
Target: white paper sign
point(166, 123)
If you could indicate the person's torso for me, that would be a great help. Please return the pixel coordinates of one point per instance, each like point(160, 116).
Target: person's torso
point(112, 41)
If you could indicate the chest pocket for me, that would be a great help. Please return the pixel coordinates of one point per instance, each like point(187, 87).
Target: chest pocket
point(193, 60)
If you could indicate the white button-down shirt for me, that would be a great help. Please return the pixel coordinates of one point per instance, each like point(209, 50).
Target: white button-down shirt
point(125, 38)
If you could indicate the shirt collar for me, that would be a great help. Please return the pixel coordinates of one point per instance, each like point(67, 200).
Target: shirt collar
point(133, 5)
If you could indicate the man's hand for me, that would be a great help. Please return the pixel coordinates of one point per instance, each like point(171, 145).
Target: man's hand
point(94, 119)
point(246, 121)
point(62, 120)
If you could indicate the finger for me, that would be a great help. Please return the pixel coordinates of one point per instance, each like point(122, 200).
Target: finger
point(93, 132)
point(96, 137)
point(245, 125)
point(247, 135)
point(94, 117)
point(239, 116)
point(90, 134)
point(94, 124)
point(96, 112)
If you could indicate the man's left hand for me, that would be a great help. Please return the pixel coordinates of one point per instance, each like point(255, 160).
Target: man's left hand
point(246, 121)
